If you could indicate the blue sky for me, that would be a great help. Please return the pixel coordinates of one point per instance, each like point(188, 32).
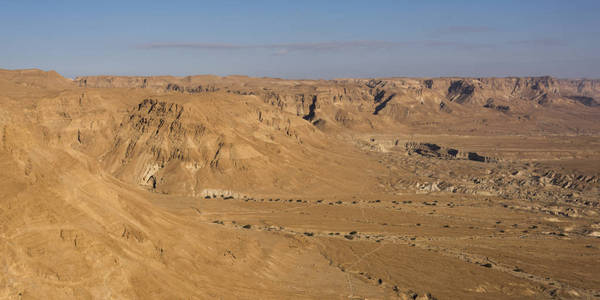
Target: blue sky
point(303, 39)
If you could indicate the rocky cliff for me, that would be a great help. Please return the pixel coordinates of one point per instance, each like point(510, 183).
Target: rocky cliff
point(364, 104)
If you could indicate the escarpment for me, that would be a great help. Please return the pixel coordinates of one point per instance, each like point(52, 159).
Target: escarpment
point(375, 103)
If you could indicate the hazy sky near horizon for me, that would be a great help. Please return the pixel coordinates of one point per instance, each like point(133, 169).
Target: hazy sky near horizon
point(303, 39)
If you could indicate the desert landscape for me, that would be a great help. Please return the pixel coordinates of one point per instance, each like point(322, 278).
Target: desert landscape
point(209, 187)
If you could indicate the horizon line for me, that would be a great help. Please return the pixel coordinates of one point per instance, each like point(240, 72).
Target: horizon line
point(303, 78)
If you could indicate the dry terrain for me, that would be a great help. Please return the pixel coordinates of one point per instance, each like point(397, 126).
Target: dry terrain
point(209, 187)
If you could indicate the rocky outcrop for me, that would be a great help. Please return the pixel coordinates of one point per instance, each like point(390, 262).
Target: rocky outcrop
point(571, 181)
point(435, 151)
point(187, 89)
point(490, 104)
point(215, 193)
point(554, 192)
point(150, 138)
point(460, 91)
point(587, 101)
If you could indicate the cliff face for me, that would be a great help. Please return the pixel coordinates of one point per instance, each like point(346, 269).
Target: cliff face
point(367, 104)
point(458, 90)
